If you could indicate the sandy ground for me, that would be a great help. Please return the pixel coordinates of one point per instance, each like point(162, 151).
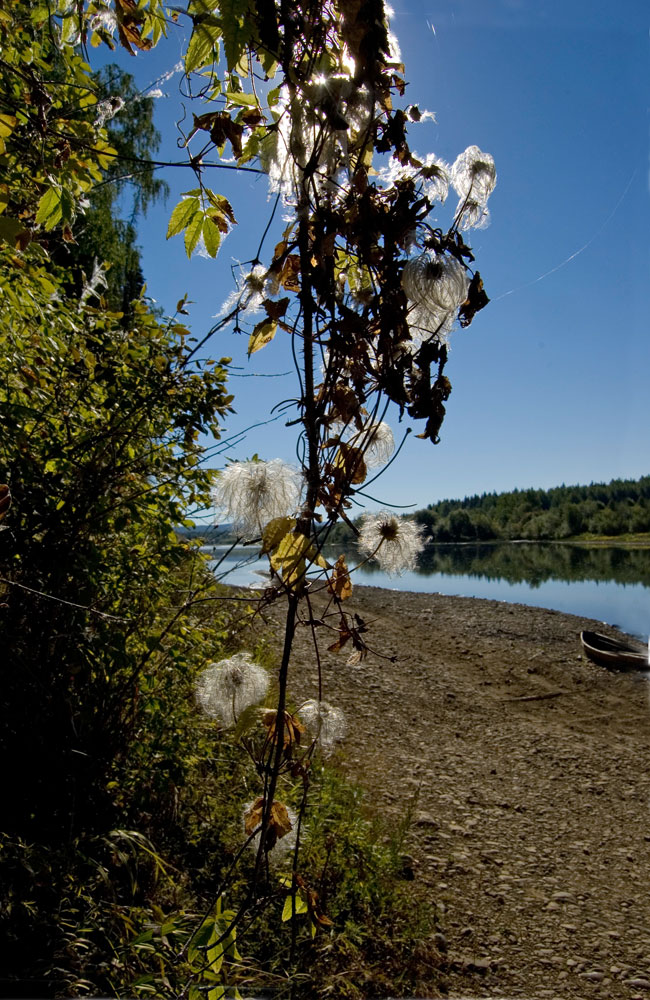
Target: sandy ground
point(527, 771)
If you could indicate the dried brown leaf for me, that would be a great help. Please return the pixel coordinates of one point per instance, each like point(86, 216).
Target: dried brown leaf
point(339, 583)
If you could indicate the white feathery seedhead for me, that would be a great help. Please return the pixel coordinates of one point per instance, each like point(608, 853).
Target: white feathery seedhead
point(435, 280)
point(436, 284)
point(326, 723)
point(103, 19)
point(435, 174)
point(393, 541)
point(377, 443)
point(106, 110)
point(474, 175)
point(249, 294)
point(225, 689)
point(303, 127)
point(250, 494)
point(472, 214)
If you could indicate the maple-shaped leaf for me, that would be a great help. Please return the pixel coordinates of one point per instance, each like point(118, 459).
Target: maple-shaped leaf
point(224, 128)
point(275, 310)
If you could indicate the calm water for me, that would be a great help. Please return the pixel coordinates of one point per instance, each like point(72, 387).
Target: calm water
point(609, 584)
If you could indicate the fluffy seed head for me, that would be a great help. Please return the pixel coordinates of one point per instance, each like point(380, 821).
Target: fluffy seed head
point(249, 294)
point(472, 214)
point(393, 541)
point(433, 175)
point(377, 443)
point(474, 175)
point(436, 284)
point(225, 689)
point(326, 723)
point(250, 494)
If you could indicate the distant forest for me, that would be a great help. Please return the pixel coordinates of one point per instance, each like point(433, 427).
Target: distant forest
point(620, 507)
point(616, 508)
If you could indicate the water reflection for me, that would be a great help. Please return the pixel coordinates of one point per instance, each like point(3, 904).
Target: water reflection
point(607, 584)
point(533, 564)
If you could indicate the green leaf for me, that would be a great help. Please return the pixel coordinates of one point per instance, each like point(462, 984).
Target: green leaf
point(287, 909)
point(50, 208)
point(236, 33)
point(181, 215)
point(10, 230)
point(204, 45)
point(193, 233)
point(242, 100)
point(201, 939)
point(215, 950)
point(211, 236)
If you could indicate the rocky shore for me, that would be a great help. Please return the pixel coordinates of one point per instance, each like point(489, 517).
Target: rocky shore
point(526, 770)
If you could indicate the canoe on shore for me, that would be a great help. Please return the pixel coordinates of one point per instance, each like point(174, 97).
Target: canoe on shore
point(613, 653)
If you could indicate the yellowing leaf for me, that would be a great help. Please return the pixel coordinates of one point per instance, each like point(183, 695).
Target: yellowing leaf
point(291, 555)
point(350, 461)
point(289, 558)
point(300, 906)
point(262, 335)
point(275, 531)
point(7, 125)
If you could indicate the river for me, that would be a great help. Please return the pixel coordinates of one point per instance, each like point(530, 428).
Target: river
point(610, 584)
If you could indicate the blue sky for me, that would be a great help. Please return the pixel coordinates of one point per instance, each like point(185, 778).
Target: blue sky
point(550, 381)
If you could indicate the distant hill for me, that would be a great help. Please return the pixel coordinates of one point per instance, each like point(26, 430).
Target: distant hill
point(211, 534)
point(620, 507)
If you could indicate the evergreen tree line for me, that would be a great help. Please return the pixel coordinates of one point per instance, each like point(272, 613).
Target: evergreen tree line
point(603, 509)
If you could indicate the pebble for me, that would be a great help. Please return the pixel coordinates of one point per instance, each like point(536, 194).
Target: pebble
point(440, 941)
point(638, 984)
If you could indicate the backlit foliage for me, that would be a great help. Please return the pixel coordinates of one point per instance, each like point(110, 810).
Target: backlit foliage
point(366, 287)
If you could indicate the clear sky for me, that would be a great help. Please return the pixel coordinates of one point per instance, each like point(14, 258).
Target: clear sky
point(550, 382)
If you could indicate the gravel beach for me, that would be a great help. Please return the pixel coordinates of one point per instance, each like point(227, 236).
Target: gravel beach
point(527, 771)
